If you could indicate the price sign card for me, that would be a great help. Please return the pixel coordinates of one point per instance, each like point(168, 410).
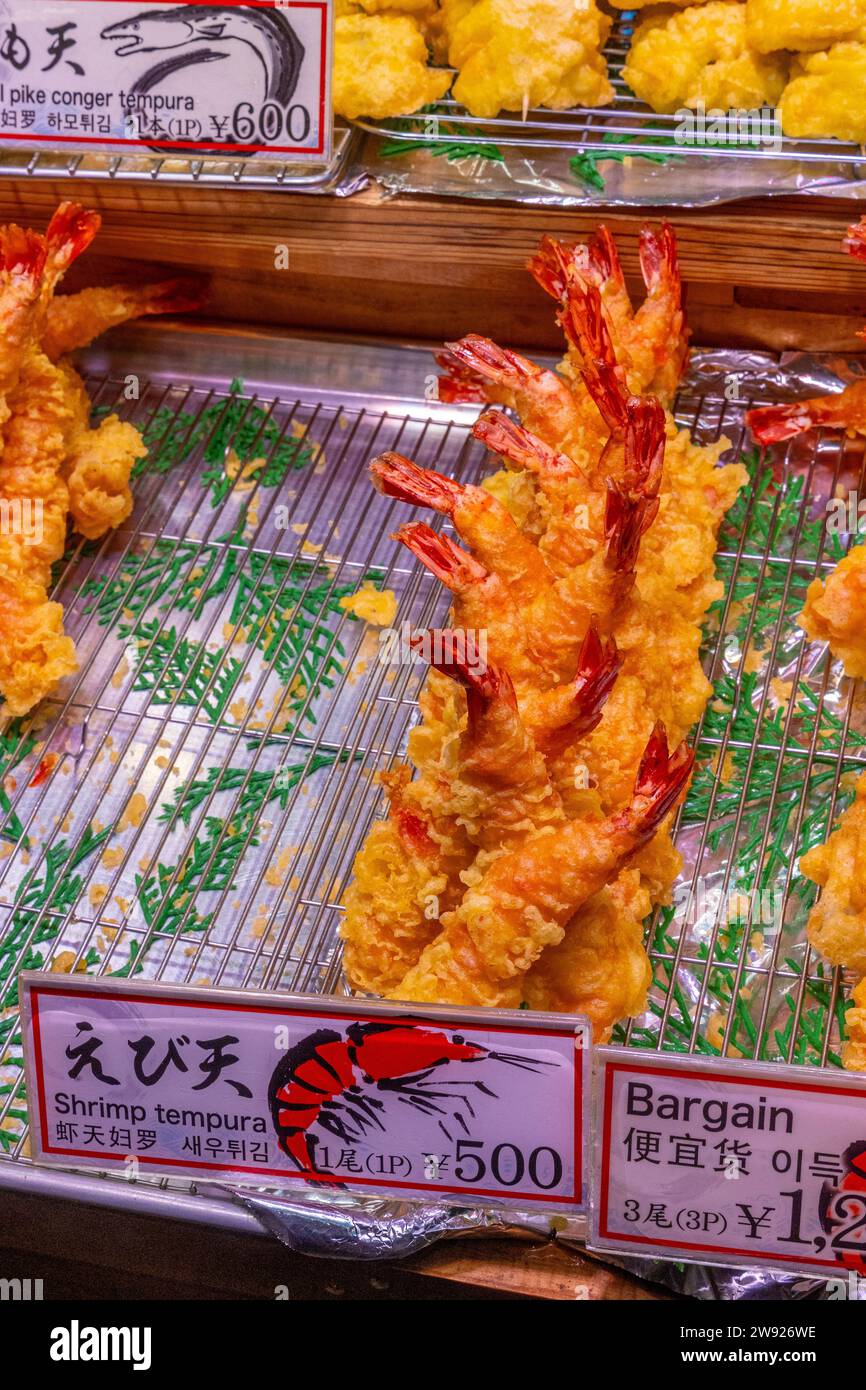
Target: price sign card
point(729, 1163)
point(238, 78)
point(288, 1089)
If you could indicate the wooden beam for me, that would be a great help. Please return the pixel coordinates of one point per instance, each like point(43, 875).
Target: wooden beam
point(758, 273)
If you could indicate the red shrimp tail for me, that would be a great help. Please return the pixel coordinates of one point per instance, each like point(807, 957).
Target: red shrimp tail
point(70, 232)
point(598, 666)
point(771, 424)
point(604, 256)
point(855, 240)
point(659, 259)
point(183, 295)
point(520, 446)
point(661, 781)
point(412, 828)
point(453, 567)
point(22, 253)
point(396, 476)
point(582, 319)
point(485, 685)
point(549, 266)
point(627, 518)
point(645, 439)
point(459, 385)
point(557, 264)
point(485, 359)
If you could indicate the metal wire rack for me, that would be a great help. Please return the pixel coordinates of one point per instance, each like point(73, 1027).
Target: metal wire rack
point(205, 171)
point(628, 123)
point(179, 816)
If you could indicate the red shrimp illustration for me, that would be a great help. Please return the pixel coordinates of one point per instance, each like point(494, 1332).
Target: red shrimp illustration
point(842, 1210)
point(322, 1081)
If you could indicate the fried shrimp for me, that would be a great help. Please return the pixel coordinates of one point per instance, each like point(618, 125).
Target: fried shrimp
point(478, 370)
point(20, 291)
point(483, 783)
point(404, 876)
point(835, 612)
point(845, 411)
point(495, 782)
point(600, 968)
point(482, 602)
point(650, 346)
point(51, 463)
point(482, 521)
point(34, 651)
point(74, 320)
point(569, 503)
point(588, 569)
point(526, 897)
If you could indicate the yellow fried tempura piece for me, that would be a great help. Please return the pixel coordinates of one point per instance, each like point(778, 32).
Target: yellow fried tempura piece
point(827, 98)
point(837, 922)
point(854, 1048)
point(835, 612)
point(97, 471)
point(442, 23)
point(35, 653)
point(701, 55)
point(803, 25)
point(372, 605)
point(520, 53)
point(380, 67)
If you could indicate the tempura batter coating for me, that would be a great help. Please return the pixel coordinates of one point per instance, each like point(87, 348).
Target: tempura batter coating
point(404, 876)
point(837, 922)
point(34, 652)
point(835, 611)
point(513, 54)
point(701, 55)
point(98, 470)
point(524, 901)
point(825, 96)
point(74, 320)
point(854, 1048)
point(380, 67)
point(600, 967)
point(803, 25)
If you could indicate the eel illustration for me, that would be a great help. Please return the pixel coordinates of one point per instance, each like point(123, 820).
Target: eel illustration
point(193, 34)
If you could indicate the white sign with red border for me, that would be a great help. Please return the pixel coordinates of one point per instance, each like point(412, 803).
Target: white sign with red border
point(238, 78)
point(291, 1089)
point(729, 1163)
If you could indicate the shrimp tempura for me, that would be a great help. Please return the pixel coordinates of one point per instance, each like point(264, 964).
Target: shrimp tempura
point(523, 902)
point(845, 410)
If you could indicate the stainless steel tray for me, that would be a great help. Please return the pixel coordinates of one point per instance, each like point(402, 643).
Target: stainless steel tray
point(239, 881)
